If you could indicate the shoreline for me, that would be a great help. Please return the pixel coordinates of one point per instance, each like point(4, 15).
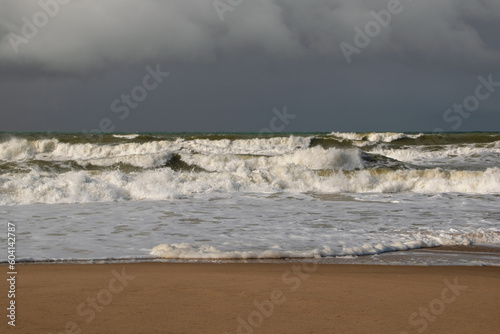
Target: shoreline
point(485, 255)
point(254, 298)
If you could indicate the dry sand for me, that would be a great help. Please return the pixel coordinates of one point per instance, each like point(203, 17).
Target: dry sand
point(253, 298)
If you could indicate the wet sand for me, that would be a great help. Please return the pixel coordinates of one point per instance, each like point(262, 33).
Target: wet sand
point(477, 255)
point(253, 298)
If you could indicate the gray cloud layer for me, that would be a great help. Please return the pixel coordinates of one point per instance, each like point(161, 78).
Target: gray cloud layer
point(93, 34)
point(227, 75)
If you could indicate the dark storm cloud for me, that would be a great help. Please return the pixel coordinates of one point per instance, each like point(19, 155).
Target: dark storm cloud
point(231, 65)
point(85, 35)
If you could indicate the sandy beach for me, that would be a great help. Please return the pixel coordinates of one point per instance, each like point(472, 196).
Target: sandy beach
point(253, 298)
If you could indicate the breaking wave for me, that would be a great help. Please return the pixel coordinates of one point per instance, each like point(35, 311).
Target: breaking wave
point(70, 168)
point(406, 241)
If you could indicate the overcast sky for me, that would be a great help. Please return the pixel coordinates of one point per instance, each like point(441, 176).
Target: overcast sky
point(73, 65)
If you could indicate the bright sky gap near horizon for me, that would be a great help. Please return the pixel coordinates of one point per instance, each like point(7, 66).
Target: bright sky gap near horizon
point(378, 65)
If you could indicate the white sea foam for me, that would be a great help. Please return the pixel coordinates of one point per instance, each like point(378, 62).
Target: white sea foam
point(17, 149)
point(150, 160)
point(164, 183)
point(254, 146)
point(407, 241)
point(469, 153)
point(363, 139)
point(53, 150)
point(130, 136)
point(315, 158)
point(188, 251)
point(254, 225)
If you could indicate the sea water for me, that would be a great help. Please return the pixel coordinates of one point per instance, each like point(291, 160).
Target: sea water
point(139, 197)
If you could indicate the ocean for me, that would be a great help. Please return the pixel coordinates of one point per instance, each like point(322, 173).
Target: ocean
point(230, 196)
